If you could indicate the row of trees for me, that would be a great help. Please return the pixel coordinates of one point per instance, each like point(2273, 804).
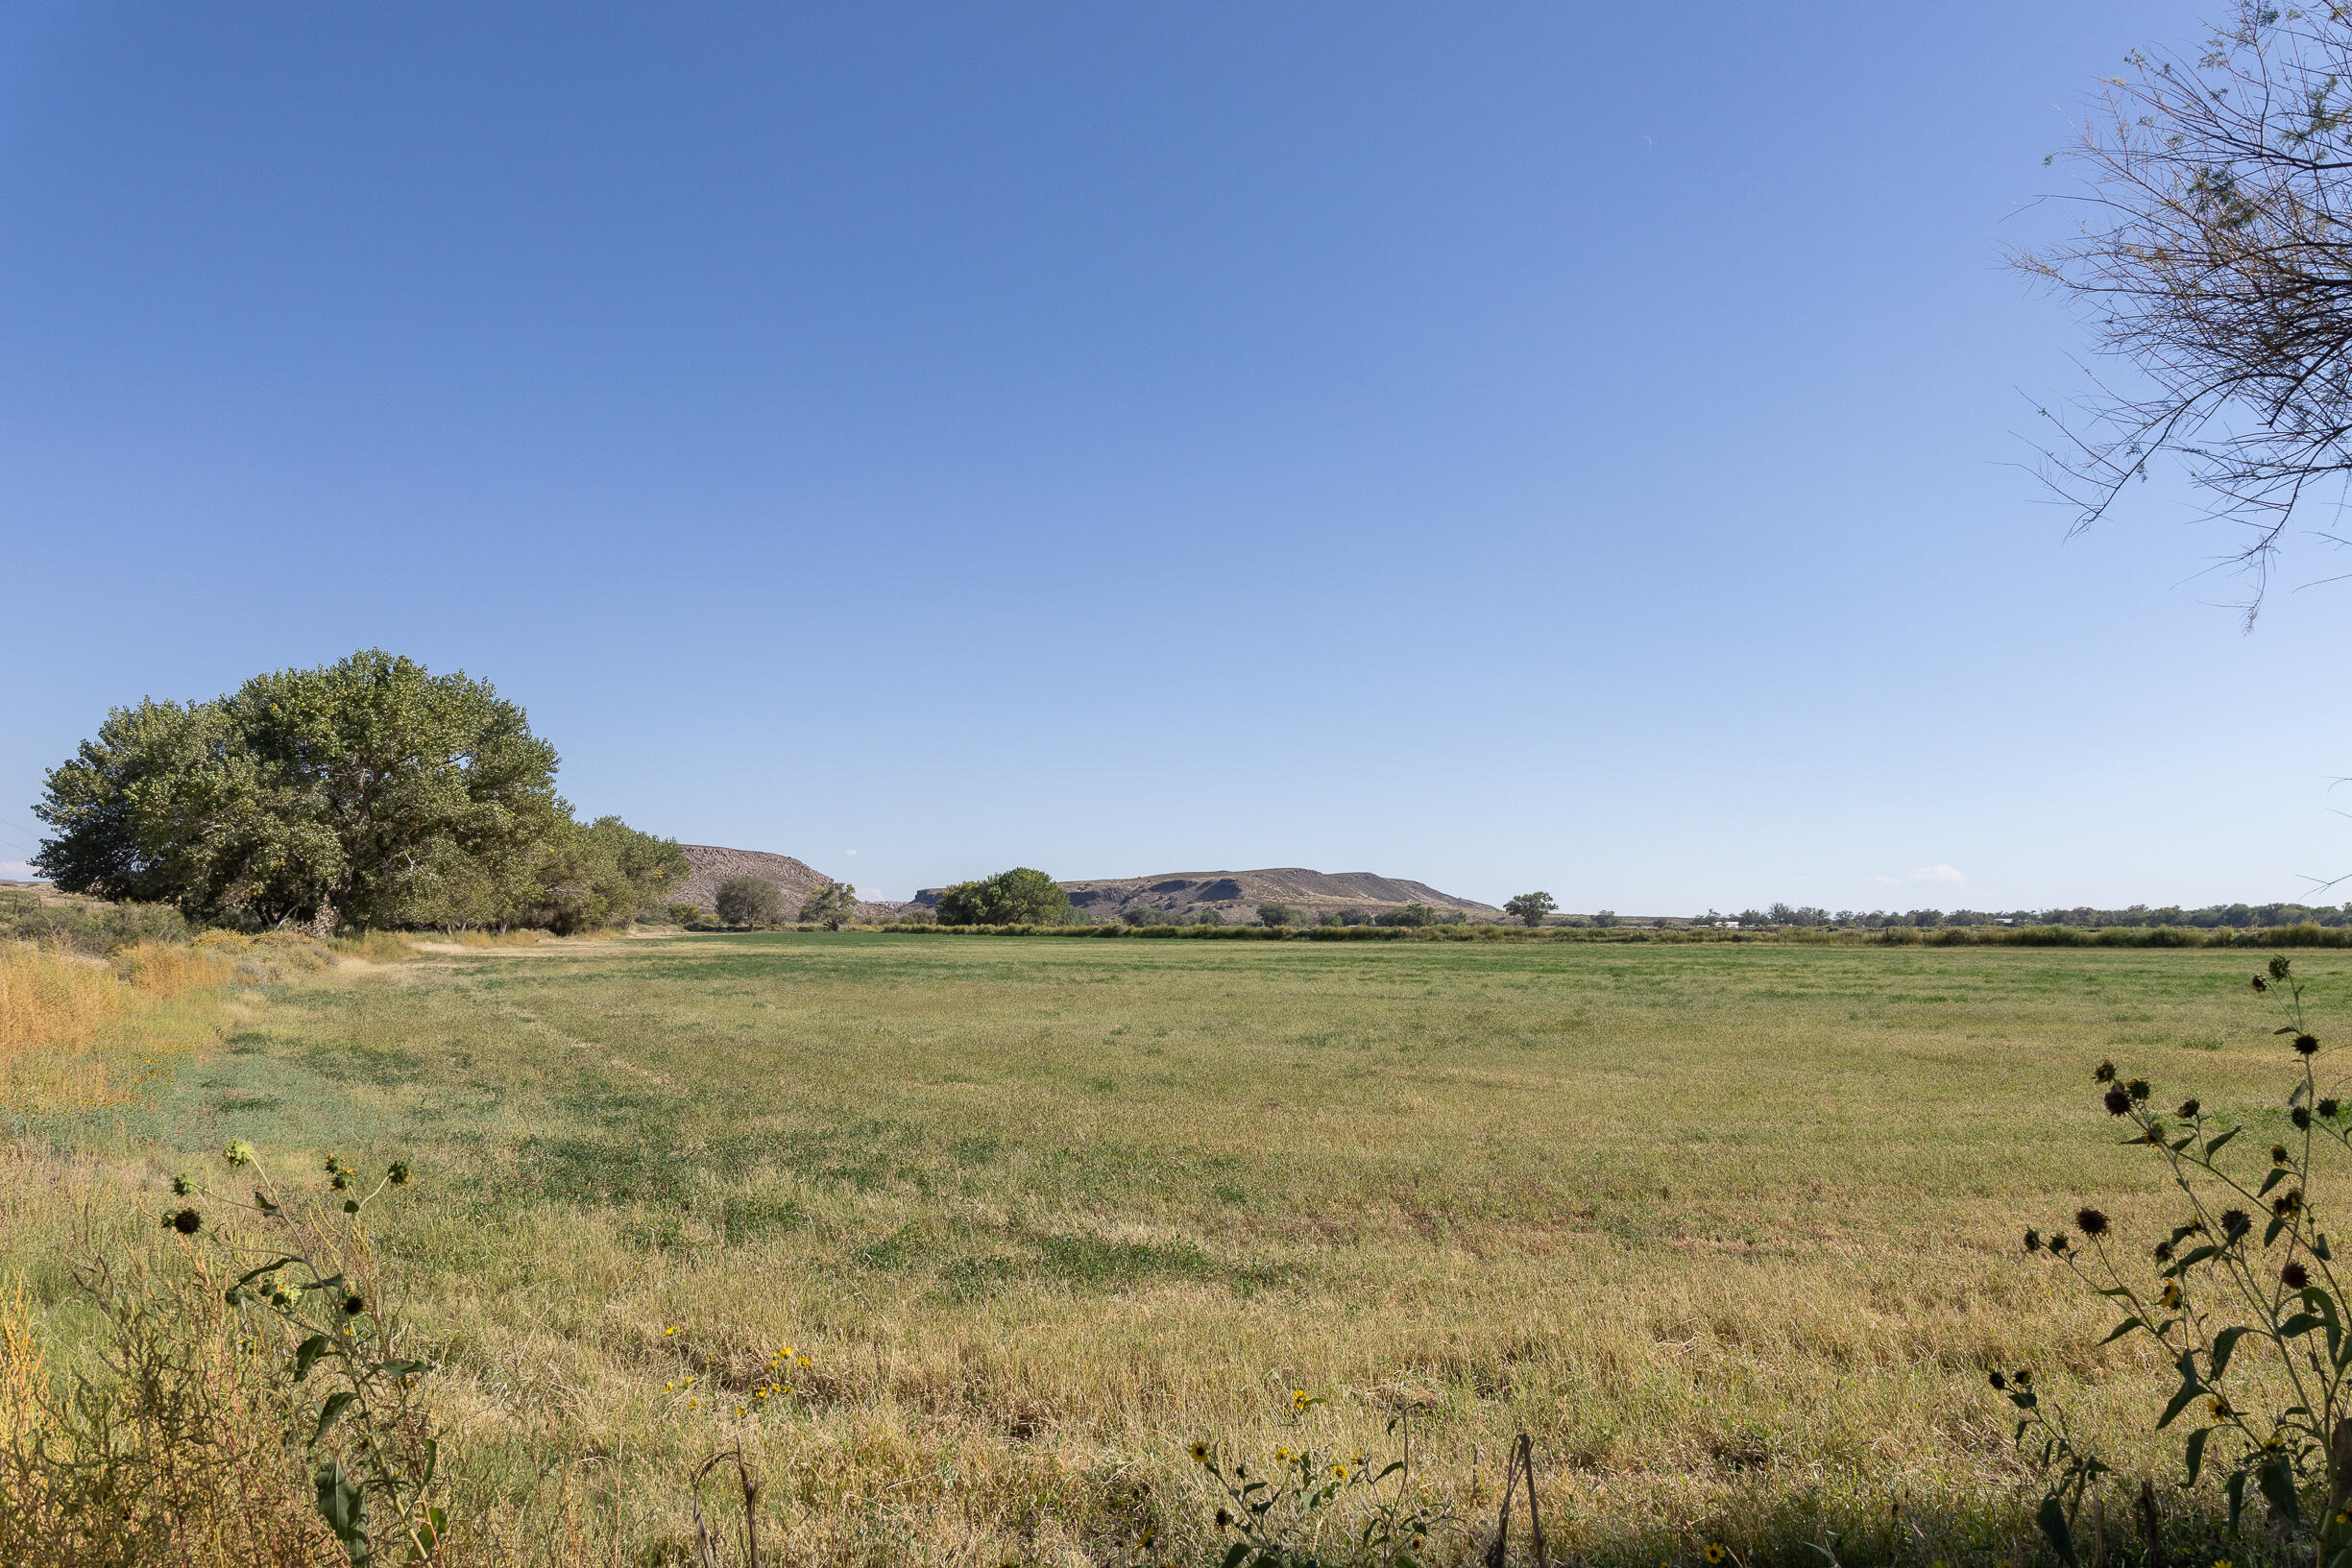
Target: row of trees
point(367, 793)
point(2210, 916)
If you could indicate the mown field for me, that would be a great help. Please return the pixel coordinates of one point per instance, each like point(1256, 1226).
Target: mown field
point(1729, 1230)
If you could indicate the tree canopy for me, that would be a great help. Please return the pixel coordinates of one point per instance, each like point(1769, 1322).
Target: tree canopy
point(368, 792)
point(1529, 908)
point(749, 900)
point(1020, 897)
point(830, 905)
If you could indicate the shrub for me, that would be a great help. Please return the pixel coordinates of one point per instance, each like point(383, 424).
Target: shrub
point(749, 900)
point(86, 925)
point(1277, 914)
point(2034, 936)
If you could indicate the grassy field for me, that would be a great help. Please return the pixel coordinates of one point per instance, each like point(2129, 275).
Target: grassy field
point(1730, 1230)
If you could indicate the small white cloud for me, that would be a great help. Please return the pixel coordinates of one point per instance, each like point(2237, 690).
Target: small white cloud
point(1949, 875)
point(1886, 881)
point(15, 871)
point(849, 851)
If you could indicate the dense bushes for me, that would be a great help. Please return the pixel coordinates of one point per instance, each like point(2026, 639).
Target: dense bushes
point(96, 928)
point(1170, 931)
point(2307, 934)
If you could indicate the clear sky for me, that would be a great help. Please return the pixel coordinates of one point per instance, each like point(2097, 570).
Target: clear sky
point(1550, 447)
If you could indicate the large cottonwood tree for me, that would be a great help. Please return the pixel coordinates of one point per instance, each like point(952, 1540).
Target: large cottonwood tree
point(368, 792)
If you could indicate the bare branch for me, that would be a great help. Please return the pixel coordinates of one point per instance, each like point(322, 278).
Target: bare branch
point(2213, 257)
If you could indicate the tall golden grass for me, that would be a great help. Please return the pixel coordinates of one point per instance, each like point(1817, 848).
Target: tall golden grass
point(80, 1033)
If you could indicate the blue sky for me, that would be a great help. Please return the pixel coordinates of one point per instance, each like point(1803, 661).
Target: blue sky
point(1511, 446)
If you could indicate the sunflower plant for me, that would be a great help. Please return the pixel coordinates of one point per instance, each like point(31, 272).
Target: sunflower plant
point(1277, 1516)
point(311, 1295)
point(2241, 1294)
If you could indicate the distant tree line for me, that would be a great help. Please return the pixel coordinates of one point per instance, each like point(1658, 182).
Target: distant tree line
point(2241, 916)
point(367, 794)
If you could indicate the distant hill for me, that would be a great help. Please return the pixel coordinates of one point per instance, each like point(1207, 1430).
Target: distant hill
point(794, 879)
point(1241, 892)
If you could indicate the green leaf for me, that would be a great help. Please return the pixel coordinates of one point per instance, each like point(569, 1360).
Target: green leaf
point(2122, 1329)
point(2300, 1324)
point(2278, 1173)
point(345, 1509)
point(429, 1530)
point(2223, 1343)
point(2269, 1232)
point(2276, 1477)
point(2195, 1455)
point(2319, 1301)
point(403, 1369)
point(2234, 1490)
point(2196, 1256)
point(2180, 1403)
point(2051, 1517)
point(2212, 1146)
point(328, 1413)
point(307, 1353)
